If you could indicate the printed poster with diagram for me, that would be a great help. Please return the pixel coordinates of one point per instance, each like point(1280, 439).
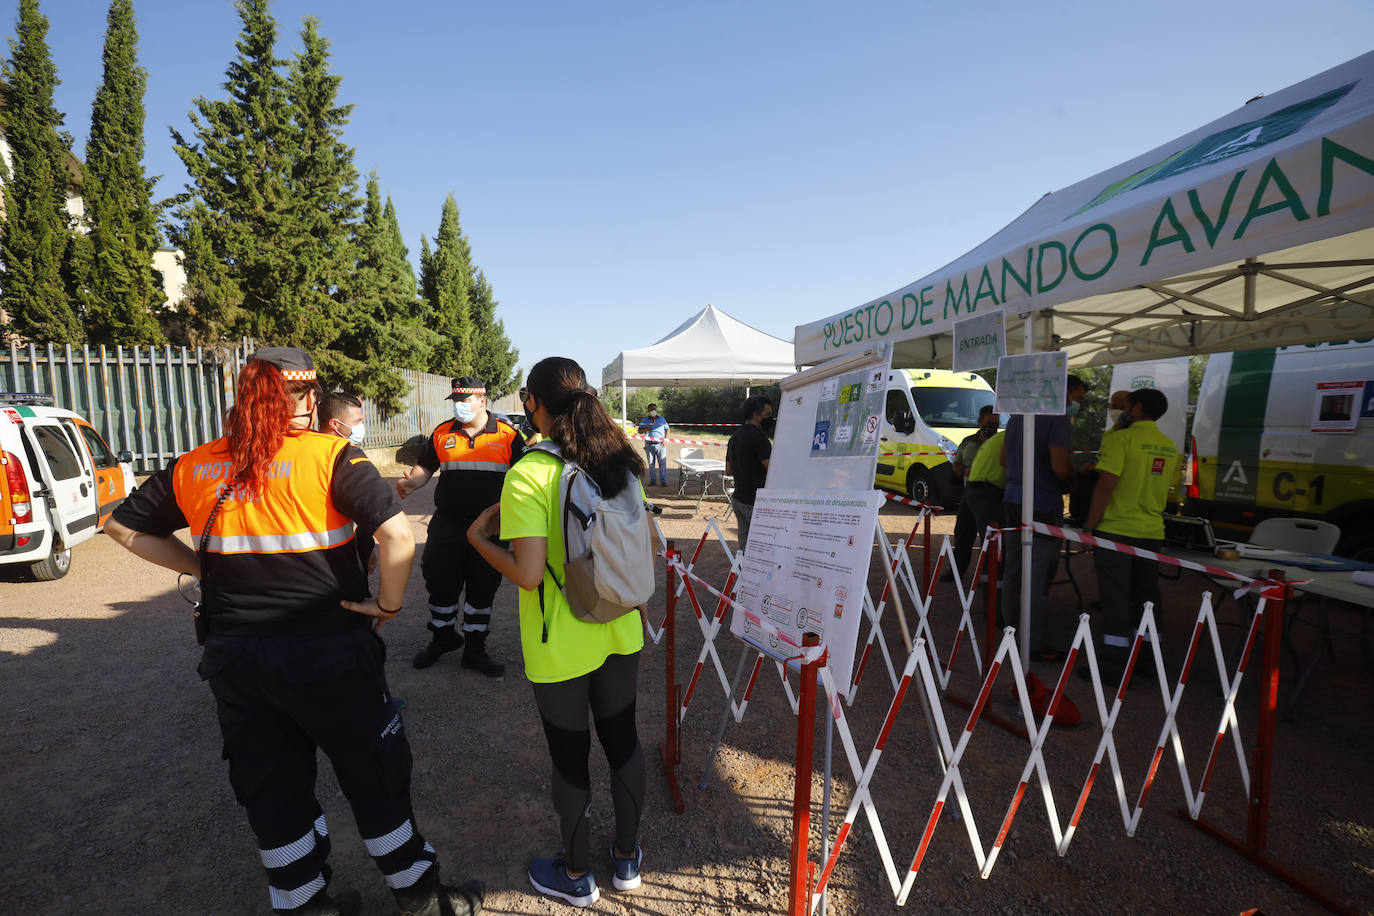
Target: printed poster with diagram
point(849, 413)
point(805, 571)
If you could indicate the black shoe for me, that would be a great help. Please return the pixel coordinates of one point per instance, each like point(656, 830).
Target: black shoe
point(443, 641)
point(475, 656)
point(346, 902)
point(428, 897)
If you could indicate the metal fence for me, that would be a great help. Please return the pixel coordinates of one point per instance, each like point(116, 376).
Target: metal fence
point(425, 408)
point(157, 402)
point(161, 402)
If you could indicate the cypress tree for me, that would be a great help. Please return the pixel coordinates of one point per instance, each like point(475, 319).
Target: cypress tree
point(323, 189)
point(379, 326)
point(493, 358)
point(399, 257)
point(37, 226)
point(238, 222)
point(118, 290)
point(446, 281)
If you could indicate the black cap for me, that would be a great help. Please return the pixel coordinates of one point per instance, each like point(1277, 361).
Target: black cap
point(465, 385)
point(295, 364)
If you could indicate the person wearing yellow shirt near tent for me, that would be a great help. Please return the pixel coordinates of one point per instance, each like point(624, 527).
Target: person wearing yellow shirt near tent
point(987, 480)
point(1135, 467)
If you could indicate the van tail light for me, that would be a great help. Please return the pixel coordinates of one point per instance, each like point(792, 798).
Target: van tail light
point(1194, 491)
point(20, 501)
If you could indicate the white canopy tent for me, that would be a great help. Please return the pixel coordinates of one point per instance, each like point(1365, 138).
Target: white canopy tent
point(1256, 230)
point(710, 348)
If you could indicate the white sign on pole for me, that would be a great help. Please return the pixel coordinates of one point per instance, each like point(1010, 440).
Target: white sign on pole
point(805, 571)
point(828, 424)
point(1032, 383)
point(1169, 376)
point(979, 342)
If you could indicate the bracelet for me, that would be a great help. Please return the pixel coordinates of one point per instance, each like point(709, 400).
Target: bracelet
point(388, 610)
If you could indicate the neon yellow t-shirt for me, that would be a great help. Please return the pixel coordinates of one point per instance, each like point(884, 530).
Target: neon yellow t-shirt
point(529, 509)
point(1144, 460)
point(987, 462)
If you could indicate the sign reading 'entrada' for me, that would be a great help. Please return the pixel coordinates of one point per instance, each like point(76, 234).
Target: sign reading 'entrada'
point(1183, 221)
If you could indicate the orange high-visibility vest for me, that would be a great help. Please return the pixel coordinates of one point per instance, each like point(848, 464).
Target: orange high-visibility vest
point(292, 514)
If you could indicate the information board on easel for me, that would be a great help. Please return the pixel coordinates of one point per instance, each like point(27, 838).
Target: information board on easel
point(805, 569)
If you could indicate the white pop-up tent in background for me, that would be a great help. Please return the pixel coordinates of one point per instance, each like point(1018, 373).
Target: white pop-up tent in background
point(710, 348)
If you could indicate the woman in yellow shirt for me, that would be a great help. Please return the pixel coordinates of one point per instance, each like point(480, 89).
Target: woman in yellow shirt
point(573, 664)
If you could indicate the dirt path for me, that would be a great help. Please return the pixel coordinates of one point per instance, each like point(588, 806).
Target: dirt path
point(116, 800)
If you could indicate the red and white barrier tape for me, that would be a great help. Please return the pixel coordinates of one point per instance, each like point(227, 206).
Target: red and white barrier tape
point(685, 441)
point(908, 501)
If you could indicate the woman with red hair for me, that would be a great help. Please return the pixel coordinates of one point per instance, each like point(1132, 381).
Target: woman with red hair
point(290, 652)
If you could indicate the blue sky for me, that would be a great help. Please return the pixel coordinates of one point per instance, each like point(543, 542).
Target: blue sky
point(620, 165)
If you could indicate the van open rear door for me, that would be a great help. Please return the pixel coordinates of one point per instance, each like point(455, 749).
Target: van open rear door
point(68, 481)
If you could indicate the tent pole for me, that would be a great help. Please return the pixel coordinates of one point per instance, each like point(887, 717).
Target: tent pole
point(624, 408)
point(1027, 507)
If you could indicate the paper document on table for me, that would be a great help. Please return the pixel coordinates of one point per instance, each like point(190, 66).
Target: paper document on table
point(1255, 550)
point(1363, 577)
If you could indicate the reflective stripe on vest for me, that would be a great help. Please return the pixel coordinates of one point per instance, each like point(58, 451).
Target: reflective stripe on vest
point(281, 543)
point(498, 466)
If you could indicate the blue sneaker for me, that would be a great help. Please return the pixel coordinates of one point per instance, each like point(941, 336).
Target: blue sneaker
point(626, 870)
point(550, 876)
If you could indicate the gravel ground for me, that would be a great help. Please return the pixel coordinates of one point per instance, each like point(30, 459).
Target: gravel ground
point(116, 800)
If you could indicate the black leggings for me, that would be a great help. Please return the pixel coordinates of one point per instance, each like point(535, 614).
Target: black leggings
point(610, 693)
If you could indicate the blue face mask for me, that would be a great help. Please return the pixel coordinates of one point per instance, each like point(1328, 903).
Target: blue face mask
point(1073, 408)
point(463, 412)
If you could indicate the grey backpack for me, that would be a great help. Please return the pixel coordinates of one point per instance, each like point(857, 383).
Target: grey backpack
point(608, 557)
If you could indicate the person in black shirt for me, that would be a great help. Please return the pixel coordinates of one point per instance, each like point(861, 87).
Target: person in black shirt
point(471, 453)
point(746, 459)
point(291, 654)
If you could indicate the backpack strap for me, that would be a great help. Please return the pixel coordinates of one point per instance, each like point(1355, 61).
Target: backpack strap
point(549, 448)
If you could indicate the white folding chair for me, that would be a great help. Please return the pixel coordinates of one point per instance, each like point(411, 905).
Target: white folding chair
point(727, 483)
point(686, 475)
point(1300, 535)
point(1305, 536)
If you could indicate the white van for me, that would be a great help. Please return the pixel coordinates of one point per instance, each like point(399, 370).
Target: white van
point(59, 482)
point(929, 412)
point(1287, 432)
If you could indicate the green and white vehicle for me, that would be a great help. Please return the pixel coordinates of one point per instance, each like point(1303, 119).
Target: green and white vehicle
point(928, 413)
point(1287, 432)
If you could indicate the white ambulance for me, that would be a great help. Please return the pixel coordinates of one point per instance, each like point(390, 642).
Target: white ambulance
point(928, 413)
point(1287, 432)
point(59, 482)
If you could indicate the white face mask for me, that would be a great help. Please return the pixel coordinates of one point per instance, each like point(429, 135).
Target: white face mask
point(356, 434)
point(1114, 416)
point(463, 412)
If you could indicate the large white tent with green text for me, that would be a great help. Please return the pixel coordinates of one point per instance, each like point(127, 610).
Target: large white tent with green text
point(1255, 230)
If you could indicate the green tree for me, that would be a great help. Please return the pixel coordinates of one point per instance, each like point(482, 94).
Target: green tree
point(399, 258)
point(379, 326)
point(118, 291)
point(493, 357)
point(238, 222)
point(446, 283)
point(37, 227)
point(322, 187)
